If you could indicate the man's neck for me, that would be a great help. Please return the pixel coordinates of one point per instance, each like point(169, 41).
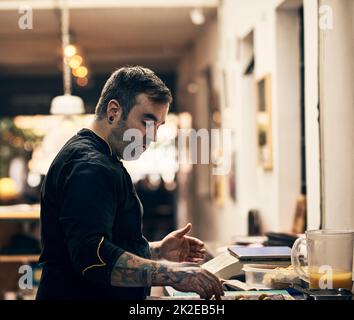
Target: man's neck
point(99, 130)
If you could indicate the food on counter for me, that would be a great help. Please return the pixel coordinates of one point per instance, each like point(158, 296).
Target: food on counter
point(264, 276)
point(260, 297)
point(280, 278)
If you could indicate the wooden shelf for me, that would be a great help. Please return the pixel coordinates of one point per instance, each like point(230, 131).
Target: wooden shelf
point(19, 258)
point(20, 212)
point(19, 215)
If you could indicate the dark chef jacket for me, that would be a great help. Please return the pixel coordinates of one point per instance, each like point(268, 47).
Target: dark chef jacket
point(90, 215)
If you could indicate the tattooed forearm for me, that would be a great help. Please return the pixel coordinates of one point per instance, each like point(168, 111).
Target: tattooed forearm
point(155, 250)
point(133, 271)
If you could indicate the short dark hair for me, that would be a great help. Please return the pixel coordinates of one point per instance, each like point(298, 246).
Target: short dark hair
point(126, 83)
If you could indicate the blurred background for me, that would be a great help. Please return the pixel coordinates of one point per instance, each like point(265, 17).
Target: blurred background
point(277, 73)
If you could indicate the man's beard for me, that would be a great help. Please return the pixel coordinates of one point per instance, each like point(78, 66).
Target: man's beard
point(115, 139)
point(119, 146)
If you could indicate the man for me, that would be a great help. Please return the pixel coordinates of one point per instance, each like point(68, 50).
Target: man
point(93, 247)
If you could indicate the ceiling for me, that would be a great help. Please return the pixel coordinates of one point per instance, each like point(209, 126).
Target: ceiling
point(107, 37)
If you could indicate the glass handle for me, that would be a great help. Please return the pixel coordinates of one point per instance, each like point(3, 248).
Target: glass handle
point(295, 259)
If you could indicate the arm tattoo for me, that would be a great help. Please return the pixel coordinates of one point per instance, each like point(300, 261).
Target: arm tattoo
point(155, 250)
point(133, 271)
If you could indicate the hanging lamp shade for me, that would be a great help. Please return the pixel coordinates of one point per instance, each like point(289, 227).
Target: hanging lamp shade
point(66, 104)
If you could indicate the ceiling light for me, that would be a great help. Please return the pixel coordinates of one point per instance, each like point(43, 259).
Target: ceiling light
point(81, 72)
point(75, 61)
point(82, 82)
point(197, 16)
point(69, 50)
point(67, 104)
point(192, 88)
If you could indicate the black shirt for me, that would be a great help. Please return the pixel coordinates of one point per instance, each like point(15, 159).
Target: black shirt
point(90, 215)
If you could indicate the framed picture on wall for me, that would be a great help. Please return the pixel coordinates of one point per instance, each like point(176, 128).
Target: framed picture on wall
point(264, 122)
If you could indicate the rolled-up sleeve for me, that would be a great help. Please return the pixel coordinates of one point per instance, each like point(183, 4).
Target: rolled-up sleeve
point(87, 215)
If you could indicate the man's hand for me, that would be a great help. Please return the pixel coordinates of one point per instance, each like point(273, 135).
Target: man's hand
point(179, 247)
point(196, 280)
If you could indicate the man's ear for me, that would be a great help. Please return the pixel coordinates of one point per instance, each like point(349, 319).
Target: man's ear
point(114, 111)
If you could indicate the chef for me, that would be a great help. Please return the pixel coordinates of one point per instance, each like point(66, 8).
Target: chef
point(91, 216)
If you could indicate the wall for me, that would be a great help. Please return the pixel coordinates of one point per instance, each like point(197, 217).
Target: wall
point(277, 53)
point(273, 28)
point(337, 116)
point(287, 115)
point(196, 59)
point(311, 115)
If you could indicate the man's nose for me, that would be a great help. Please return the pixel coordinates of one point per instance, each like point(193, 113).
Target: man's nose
point(155, 134)
point(151, 133)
